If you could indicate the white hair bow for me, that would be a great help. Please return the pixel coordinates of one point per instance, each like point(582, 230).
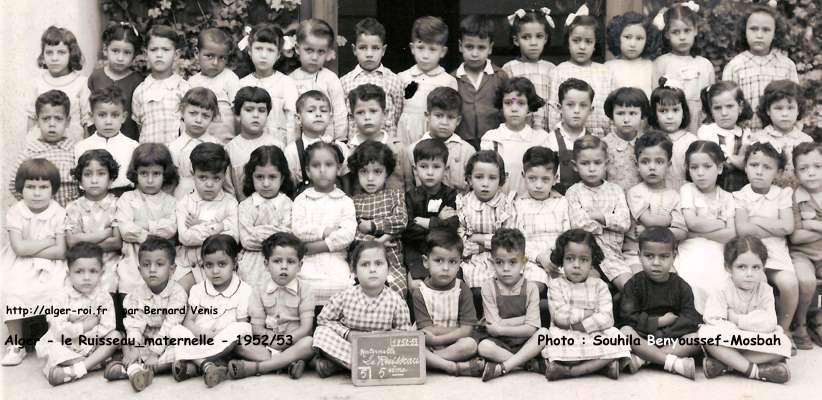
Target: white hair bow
point(673, 84)
point(517, 14)
point(289, 42)
point(772, 3)
point(243, 43)
point(130, 25)
point(583, 10)
point(659, 20)
point(691, 5)
point(547, 13)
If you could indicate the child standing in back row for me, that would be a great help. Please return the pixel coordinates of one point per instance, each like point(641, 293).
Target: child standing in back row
point(213, 48)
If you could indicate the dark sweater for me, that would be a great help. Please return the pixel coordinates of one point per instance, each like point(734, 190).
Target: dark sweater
point(413, 239)
point(644, 301)
point(479, 115)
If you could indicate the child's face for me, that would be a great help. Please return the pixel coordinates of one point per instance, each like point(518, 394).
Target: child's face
point(759, 32)
point(150, 178)
point(208, 184)
point(475, 51)
point(212, 57)
point(264, 55)
point(219, 269)
point(531, 40)
point(783, 114)
point(761, 171)
point(323, 169)
point(369, 117)
point(369, 50)
point(539, 180)
point(119, 54)
point(704, 171)
point(56, 57)
point(160, 53)
point(156, 269)
point(314, 116)
point(196, 119)
point(581, 44)
point(725, 109)
point(442, 123)
point(108, 118)
point(427, 56)
point(590, 164)
point(52, 121)
point(430, 172)
point(627, 120)
point(577, 262)
point(283, 265)
point(372, 177)
point(515, 109)
point(653, 165)
point(37, 194)
point(313, 52)
point(508, 265)
point(681, 34)
point(267, 180)
point(576, 106)
point(809, 171)
point(95, 180)
point(443, 265)
point(669, 117)
point(746, 271)
point(84, 274)
point(484, 180)
point(372, 269)
point(632, 41)
point(252, 118)
point(657, 260)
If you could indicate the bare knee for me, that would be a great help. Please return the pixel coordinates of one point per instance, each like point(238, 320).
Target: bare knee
point(486, 347)
point(627, 330)
point(466, 346)
point(786, 282)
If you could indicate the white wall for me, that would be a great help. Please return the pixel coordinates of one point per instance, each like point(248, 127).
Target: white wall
point(21, 25)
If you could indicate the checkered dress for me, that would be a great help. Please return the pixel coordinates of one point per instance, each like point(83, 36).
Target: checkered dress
point(568, 302)
point(394, 94)
point(541, 221)
point(539, 73)
point(61, 154)
point(386, 209)
point(155, 107)
point(753, 73)
point(353, 310)
point(481, 217)
point(609, 199)
point(601, 80)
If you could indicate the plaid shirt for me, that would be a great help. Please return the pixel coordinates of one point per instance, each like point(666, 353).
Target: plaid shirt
point(140, 324)
point(155, 108)
point(394, 94)
point(328, 83)
point(753, 73)
point(61, 154)
point(486, 217)
point(601, 80)
point(539, 73)
point(353, 310)
point(541, 221)
point(568, 302)
point(386, 210)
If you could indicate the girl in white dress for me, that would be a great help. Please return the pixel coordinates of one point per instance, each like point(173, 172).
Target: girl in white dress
point(632, 39)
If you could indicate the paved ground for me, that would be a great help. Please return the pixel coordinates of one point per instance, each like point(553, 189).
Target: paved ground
point(27, 382)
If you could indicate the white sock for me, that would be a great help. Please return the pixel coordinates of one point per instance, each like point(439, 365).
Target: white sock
point(79, 370)
point(754, 371)
point(133, 369)
point(670, 362)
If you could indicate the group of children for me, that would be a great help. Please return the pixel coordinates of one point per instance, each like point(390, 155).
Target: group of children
point(211, 223)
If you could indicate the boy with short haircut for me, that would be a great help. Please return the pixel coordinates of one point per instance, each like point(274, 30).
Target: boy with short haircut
point(108, 110)
point(284, 311)
point(156, 101)
point(431, 205)
point(69, 358)
point(214, 46)
point(444, 308)
point(368, 108)
point(576, 103)
point(313, 117)
point(478, 79)
point(369, 48)
point(444, 114)
point(251, 107)
point(52, 112)
point(656, 301)
point(650, 201)
point(152, 312)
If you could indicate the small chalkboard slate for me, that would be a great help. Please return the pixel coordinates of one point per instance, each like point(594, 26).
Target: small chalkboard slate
point(391, 358)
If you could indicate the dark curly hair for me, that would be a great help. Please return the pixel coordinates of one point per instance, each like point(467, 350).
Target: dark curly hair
point(707, 95)
point(369, 152)
point(103, 157)
point(54, 36)
point(148, 154)
point(283, 239)
point(780, 34)
point(267, 155)
point(508, 239)
point(54, 98)
point(620, 22)
point(653, 137)
point(779, 90)
point(577, 236)
point(741, 245)
point(485, 156)
point(523, 86)
point(768, 150)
